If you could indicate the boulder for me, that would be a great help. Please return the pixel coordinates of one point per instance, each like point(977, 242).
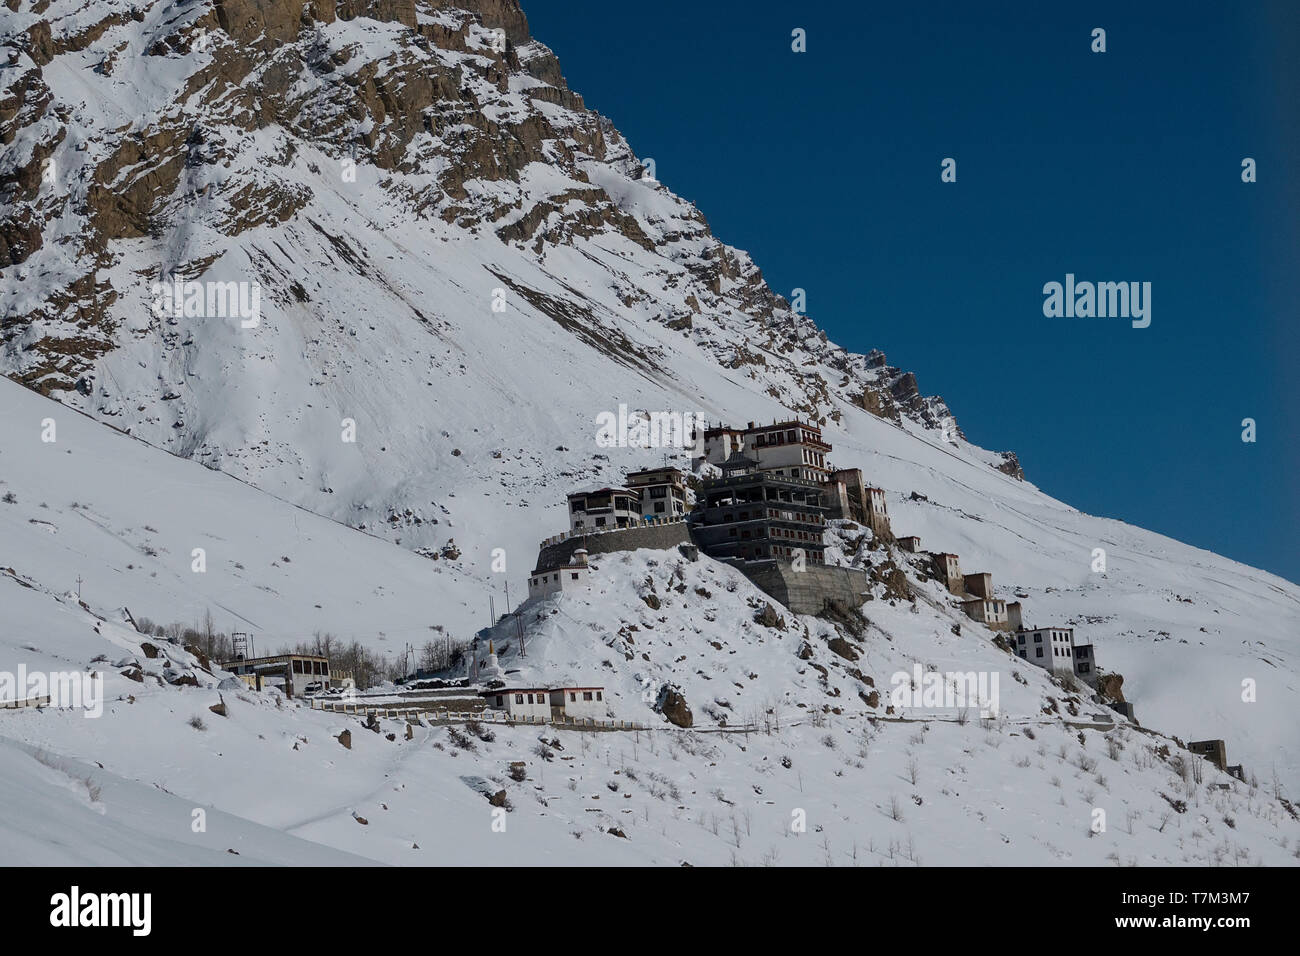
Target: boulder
point(672, 704)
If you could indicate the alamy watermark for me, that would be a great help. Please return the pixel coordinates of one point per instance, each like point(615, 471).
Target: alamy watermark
point(644, 429)
point(952, 690)
point(1102, 300)
point(179, 298)
point(131, 911)
point(75, 690)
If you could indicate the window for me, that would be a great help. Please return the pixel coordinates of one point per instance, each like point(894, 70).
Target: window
point(586, 695)
point(1038, 639)
point(659, 507)
point(499, 704)
point(519, 698)
point(1038, 652)
point(598, 695)
point(530, 698)
point(297, 666)
point(573, 696)
point(600, 522)
point(574, 575)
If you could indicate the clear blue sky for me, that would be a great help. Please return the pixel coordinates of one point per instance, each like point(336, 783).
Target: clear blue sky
point(1125, 165)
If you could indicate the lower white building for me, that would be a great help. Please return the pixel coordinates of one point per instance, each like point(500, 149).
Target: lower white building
point(1085, 663)
point(549, 703)
point(603, 509)
point(1051, 648)
point(529, 703)
point(581, 702)
point(567, 577)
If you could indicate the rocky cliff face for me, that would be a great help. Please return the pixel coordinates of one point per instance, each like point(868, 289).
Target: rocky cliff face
point(416, 159)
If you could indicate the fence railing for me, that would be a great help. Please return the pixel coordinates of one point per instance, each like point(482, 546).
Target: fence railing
point(25, 702)
point(435, 715)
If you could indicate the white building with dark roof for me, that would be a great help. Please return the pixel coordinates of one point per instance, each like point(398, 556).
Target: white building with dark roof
point(570, 576)
point(549, 704)
point(1051, 648)
point(662, 491)
point(602, 509)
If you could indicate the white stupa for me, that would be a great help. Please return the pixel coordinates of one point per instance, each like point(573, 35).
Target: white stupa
point(492, 669)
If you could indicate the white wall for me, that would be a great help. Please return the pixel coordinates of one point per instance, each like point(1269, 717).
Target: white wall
point(557, 581)
point(583, 707)
point(539, 706)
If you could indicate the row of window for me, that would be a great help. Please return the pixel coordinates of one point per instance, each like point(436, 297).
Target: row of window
point(805, 474)
point(814, 556)
point(621, 503)
point(813, 458)
point(542, 579)
point(776, 438)
point(544, 696)
point(311, 667)
point(601, 523)
point(776, 533)
point(1061, 636)
point(1080, 666)
point(801, 517)
point(777, 551)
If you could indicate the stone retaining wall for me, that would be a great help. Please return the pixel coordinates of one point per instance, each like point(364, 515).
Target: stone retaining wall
point(659, 537)
point(807, 591)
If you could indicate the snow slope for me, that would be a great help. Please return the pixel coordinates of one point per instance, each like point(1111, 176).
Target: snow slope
point(804, 786)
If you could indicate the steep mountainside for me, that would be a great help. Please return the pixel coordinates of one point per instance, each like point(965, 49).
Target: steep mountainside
point(383, 171)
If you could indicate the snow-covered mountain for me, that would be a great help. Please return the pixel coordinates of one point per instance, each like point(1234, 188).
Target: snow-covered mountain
point(457, 269)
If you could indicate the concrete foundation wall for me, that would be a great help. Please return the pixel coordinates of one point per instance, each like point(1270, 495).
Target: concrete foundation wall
point(807, 591)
